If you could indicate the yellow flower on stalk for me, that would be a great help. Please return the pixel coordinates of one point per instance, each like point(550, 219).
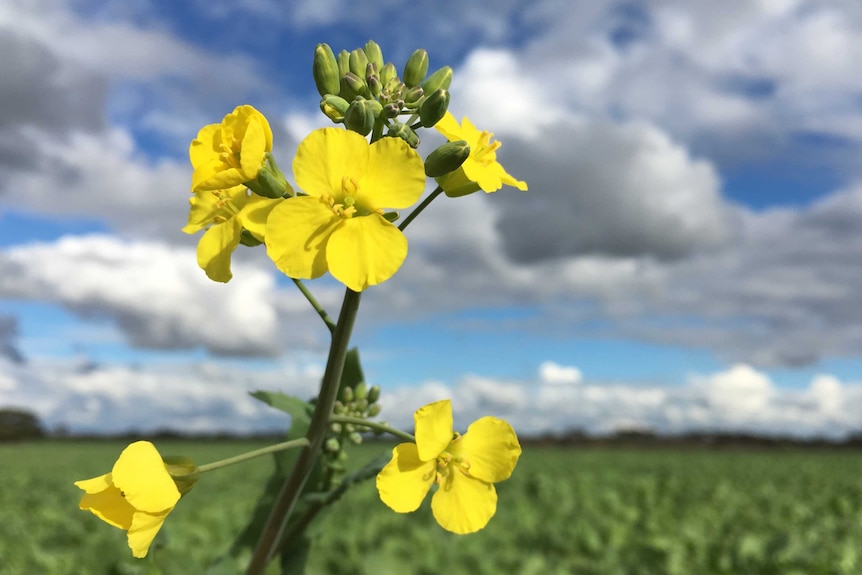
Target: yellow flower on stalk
point(464, 467)
point(339, 226)
point(135, 496)
point(231, 153)
point(225, 213)
point(480, 171)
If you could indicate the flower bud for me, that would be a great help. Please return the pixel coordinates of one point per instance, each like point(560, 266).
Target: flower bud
point(374, 410)
point(439, 80)
point(357, 62)
point(387, 73)
point(334, 107)
point(183, 471)
point(352, 86)
point(447, 158)
point(374, 85)
point(434, 108)
point(392, 109)
point(359, 116)
point(332, 445)
point(405, 132)
point(361, 390)
point(415, 68)
point(343, 63)
point(413, 96)
point(347, 394)
point(374, 54)
point(335, 427)
point(361, 404)
point(355, 438)
point(374, 394)
point(325, 70)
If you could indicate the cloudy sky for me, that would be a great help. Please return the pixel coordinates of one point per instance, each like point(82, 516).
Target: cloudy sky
point(688, 255)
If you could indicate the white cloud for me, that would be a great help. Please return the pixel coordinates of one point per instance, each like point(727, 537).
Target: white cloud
point(550, 372)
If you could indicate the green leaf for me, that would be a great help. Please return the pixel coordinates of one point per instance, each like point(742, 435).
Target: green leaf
point(352, 374)
point(289, 404)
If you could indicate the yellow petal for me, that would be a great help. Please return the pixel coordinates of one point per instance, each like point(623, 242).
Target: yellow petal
point(235, 124)
point(297, 232)
point(216, 247)
point(109, 505)
point(448, 126)
point(470, 132)
point(216, 175)
point(462, 504)
point(206, 146)
point(143, 530)
point(491, 447)
point(405, 480)
point(433, 429)
point(253, 149)
point(327, 155)
point(365, 251)
point(255, 213)
point(487, 176)
point(140, 473)
point(395, 176)
point(95, 484)
point(511, 181)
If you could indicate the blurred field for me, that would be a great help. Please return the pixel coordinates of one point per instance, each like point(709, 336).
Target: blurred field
point(591, 511)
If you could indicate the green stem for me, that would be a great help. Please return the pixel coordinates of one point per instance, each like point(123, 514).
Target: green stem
point(315, 304)
point(373, 425)
point(420, 207)
point(302, 442)
point(317, 428)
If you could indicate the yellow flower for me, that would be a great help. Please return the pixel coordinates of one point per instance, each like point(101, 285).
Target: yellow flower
point(231, 153)
point(136, 495)
point(339, 226)
point(480, 171)
point(225, 213)
point(464, 467)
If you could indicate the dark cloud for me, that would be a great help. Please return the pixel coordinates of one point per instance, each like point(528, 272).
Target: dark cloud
point(8, 336)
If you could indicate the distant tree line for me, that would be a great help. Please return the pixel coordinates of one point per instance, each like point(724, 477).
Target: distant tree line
point(18, 424)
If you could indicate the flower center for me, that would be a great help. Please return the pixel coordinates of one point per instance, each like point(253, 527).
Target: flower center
point(348, 206)
point(224, 208)
point(447, 463)
point(486, 150)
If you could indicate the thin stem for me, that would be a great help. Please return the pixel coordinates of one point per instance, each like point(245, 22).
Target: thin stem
point(420, 207)
point(373, 425)
point(315, 304)
point(301, 442)
point(317, 428)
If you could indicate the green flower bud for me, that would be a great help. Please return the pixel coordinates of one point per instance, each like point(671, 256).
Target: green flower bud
point(342, 456)
point(183, 471)
point(334, 107)
point(392, 109)
point(339, 408)
point(347, 394)
point(447, 158)
point(359, 116)
point(405, 132)
point(376, 107)
point(343, 63)
point(387, 73)
point(415, 68)
point(247, 239)
point(361, 390)
point(332, 445)
point(361, 404)
point(374, 86)
point(434, 108)
point(374, 410)
point(325, 70)
point(374, 54)
point(374, 394)
point(355, 438)
point(349, 427)
point(335, 427)
point(352, 86)
point(357, 62)
point(413, 96)
point(439, 80)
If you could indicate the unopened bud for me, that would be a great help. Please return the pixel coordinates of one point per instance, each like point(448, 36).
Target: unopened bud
point(374, 53)
point(361, 390)
point(335, 427)
point(412, 96)
point(352, 86)
point(358, 61)
point(374, 394)
point(361, 404)
point(334, 107)
point(332, 445)
point(387, 73)
point(374, 410)
point(325, 70)
point(343, 63)
point(355, 438)
point(447, 158)
point(359, 117)
point(347, 394)
point(391, 110)
point(439, 80)
point(434, 108)
point(405, 132)
point(415, 68)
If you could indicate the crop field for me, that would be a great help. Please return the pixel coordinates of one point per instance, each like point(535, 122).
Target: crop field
point(565, 511)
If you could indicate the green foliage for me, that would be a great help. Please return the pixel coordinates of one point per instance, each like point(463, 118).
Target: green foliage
point(17, 424)
point(591, 512)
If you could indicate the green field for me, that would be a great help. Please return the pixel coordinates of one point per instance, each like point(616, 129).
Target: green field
point(566, 511)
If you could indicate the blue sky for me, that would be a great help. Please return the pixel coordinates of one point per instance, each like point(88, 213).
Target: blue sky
point(687, 256)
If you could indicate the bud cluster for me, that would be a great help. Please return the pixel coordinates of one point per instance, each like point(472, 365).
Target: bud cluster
point(359, 402)
point(367, 96)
